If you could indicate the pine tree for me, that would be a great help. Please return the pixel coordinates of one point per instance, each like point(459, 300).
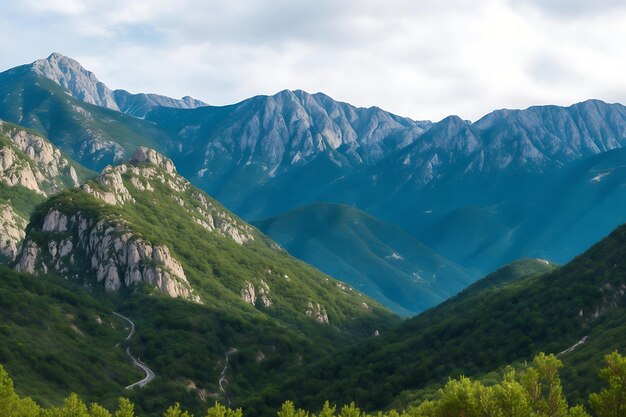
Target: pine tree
point(611, 401)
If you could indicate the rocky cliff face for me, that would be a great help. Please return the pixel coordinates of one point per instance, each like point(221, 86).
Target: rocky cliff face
point(291, 128)
point(32, 162)
point(82, 84)
point(106, 248)
point(85, 86)
point(12, 231)
point(534, 140)
point(29, 165)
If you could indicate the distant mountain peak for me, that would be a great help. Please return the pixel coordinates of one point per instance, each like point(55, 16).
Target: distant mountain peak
point(84, 85)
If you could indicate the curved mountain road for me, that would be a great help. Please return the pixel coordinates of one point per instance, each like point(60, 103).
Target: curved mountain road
point(150, 375)
point(223, 379)
point(574, 346)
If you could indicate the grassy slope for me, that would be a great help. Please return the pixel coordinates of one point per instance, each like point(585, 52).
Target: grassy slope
point(359, 249)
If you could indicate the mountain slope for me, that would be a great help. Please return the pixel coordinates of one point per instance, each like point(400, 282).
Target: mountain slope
point(376, 258)
point(197, 280)
point(85, 86)
point(484, 328)
point(91, 135)
point(485, 179)
point(293, 139)
point(494, 180)
point(31, 168)
point(54, 337)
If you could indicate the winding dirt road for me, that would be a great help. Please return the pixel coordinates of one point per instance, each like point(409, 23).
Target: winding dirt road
point(139, 364)
point(223, 379)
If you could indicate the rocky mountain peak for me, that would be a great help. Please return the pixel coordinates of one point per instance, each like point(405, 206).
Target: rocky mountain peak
point(81, 83)
point(143, 154)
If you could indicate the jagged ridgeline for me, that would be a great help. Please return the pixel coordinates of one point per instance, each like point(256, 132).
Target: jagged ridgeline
point(31, 169)
point(142, 232)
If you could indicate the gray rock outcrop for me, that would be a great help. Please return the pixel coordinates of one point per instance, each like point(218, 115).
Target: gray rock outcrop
point(109, 249)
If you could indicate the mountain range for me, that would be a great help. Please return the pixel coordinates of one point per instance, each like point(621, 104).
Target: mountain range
point(494, 180)
point(140, 229)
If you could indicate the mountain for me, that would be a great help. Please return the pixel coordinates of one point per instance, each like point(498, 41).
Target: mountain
point(31, 168)
point(504, 320)
point(481, 194)
point(376, 258)
point(198, 282)
point(493, 181)
point(248, 153)
point(84, 85)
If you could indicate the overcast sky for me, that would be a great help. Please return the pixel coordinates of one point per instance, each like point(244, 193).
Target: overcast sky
point(424, 59)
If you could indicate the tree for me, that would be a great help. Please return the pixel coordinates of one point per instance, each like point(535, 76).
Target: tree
point(289, 410)
point(543, 385)
point(218, 410)
point(97, 410)
point(175, 411)
point(611, 401)
point(125, 408)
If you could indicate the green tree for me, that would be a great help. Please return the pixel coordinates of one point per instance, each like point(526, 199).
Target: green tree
point(350, 410)
point(219, 410)
point(96, 410)
point(611, 401)
point(511, 398)
point(543, 385)
point(327, 410)
point(175, 411)
point(125, 408)
point(289, 410)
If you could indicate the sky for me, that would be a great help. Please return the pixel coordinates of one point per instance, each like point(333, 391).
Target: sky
point(423, 59)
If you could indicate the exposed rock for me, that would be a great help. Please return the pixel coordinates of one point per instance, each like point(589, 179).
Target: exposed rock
point(81, 83)
point(258, 295)
point(28, 258)
point(55, 221)
point(110, 188)
point(143, 154)
point(12, 231)
point(113, 190)
point(34, 163)
point(115, 256)
point(248, 293)
point(14, 171)
point(317, 311)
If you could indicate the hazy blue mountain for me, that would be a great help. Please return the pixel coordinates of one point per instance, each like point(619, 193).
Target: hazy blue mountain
point(504, 319)
point(376, 258)
point(486, 193)
point(480, 194)
point(270, 153)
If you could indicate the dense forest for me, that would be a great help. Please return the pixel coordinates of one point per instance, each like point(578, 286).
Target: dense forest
point(535, 391)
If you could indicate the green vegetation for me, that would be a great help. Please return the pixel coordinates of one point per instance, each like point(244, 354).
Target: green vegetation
point(90, 134)
point(377, 258)
point(56, 338)
point(534, 392)
point(185, 343)
point(482, 329)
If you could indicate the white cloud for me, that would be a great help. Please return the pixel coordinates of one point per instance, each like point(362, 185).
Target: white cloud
point(423, 59)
